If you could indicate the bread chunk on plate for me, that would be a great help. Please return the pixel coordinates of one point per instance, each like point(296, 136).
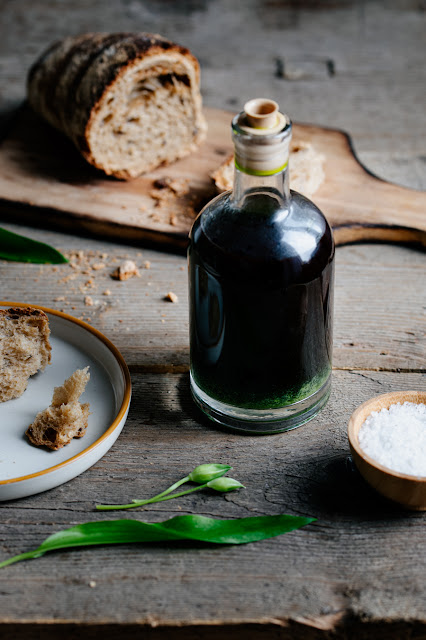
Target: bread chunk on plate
point(66, 418)
point(24, 348)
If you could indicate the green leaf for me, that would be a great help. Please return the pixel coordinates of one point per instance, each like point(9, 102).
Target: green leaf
point(191, 527)
point(21, 249)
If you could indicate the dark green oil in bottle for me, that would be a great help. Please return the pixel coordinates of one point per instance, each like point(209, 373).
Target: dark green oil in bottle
point(261, 303)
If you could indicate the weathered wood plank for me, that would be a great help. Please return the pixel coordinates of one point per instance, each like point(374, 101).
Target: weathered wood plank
point(379, 308)
point(318, 577)
point(377, 287)
point(359, 571)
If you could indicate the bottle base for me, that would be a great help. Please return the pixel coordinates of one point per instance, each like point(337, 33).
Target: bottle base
point(264, 421)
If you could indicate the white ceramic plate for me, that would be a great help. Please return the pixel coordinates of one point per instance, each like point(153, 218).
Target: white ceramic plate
point(26, 469)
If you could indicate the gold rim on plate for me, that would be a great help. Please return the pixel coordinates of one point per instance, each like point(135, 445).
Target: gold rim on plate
point(127, 390)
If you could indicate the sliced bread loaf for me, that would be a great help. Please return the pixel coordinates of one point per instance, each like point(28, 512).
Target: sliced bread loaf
point(24, 348)
point(66, 418)
point(128, 101)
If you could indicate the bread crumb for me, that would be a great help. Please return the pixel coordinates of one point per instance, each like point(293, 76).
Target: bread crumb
point(107, 292)
point(92, 584)
point(59, 299)
point(88, 301)
point(171, 297)
point(66, 279)
point(126, 270)
point(97, 266)
point(178, 186)
point(147, 264)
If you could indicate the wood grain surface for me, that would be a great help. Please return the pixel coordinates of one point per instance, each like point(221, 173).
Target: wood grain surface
point(359, 571)
point(44, 180)
point(302, 585)
point(316, 583)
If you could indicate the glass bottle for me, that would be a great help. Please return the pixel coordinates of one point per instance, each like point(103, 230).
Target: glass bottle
point(261, 265)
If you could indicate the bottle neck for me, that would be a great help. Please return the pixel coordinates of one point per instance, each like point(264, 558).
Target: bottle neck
point(261, 161)
point(276, 186)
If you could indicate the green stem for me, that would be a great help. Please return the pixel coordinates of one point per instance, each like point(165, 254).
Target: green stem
point(22, 556)
point(184, 493)
point(140, 503)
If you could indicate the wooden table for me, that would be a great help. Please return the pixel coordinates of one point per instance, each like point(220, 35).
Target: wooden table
point(359, 571)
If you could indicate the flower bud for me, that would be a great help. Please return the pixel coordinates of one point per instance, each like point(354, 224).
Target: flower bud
point(206, 472)
point(225, 484)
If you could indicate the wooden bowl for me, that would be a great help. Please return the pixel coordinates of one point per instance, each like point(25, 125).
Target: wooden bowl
point(406, 490)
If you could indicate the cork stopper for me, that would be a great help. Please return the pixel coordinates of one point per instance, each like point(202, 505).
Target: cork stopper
point(261, 136)
point(261, 113)
point(262, 117)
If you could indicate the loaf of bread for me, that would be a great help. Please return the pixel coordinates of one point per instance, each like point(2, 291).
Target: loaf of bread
point(24, 348)
point(128, 101)
point(66, 418)
point(306, 172)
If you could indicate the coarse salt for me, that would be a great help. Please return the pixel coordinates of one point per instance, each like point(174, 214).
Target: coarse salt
point(396, 437)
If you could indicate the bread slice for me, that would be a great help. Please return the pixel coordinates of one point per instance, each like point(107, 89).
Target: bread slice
point(66, 418)
point(128, 101)
point(306, 172)
point(24, 348)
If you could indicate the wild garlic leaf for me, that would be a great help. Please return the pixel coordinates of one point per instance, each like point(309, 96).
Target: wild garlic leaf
point(190, 527)
point(19, 248)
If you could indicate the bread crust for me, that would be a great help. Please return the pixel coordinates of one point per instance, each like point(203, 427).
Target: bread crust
point(67, 84)
point(24, 348)
point(21, 312)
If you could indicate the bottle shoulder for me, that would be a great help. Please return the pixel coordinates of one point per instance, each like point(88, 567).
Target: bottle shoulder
point(299, 234)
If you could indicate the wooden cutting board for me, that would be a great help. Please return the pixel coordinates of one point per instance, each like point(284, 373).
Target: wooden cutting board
point(44, 182)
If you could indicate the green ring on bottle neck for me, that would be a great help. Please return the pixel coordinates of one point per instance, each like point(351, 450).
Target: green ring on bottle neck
point(256, 172)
